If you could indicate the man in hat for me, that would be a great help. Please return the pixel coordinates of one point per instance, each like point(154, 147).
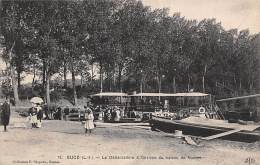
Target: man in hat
point(39, 115)
point(5, 115)
point(66, 112)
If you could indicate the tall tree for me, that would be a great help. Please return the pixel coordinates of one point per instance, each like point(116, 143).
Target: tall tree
point(44, 23)
point(12, 28)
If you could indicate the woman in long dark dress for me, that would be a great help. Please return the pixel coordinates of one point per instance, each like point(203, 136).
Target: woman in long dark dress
point(5, 115)
point(39, 116)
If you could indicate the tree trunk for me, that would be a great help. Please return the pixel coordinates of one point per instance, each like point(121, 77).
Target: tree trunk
point(65, 83)
point(44, 75)
point(15, 86)
point(141, 85)
point(101, 82)
point(101, 78)
point(203, 78)
point(81, 80)
point(92, 73)
point(235, 81)
point(13, 78)
point(188, 83)
point(174, 84)
point(110, 76)
point(34, 75)
point(114, 79)
point(48, 98)
point(18, 80)
point(251, 86)
point(240, 85)
point(159, 85)
point(119, 77)
point(74, 85)
point(257, 86)
point(203, 84)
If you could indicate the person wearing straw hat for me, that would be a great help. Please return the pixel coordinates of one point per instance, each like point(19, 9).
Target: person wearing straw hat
point(89, 124)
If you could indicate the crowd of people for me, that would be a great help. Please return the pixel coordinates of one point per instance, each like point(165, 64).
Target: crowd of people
point(39, 112)
point(114, 113)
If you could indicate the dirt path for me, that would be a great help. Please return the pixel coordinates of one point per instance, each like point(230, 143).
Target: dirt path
point(64, 143)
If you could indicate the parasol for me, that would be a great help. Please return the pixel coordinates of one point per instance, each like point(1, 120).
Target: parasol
point(36, 100)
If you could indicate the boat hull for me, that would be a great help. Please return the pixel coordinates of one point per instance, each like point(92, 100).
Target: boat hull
point(170, 126)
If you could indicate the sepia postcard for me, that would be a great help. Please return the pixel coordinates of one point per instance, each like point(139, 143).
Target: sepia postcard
point(90, 82)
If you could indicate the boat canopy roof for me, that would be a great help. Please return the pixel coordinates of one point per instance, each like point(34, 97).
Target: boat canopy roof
point(241, 97)
point(190, 94)
point(148, 94)
point(115, 94)
point(120, 94)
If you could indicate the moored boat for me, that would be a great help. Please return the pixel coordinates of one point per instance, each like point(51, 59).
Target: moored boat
point(203, 128)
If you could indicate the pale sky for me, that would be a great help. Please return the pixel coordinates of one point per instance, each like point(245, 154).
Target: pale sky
point(241, 14)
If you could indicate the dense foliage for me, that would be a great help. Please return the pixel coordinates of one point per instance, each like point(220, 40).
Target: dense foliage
point(126, 41)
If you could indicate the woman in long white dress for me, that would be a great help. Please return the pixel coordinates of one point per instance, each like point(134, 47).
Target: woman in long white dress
point(33, 116)
point(117, 115)
point(89, 124)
